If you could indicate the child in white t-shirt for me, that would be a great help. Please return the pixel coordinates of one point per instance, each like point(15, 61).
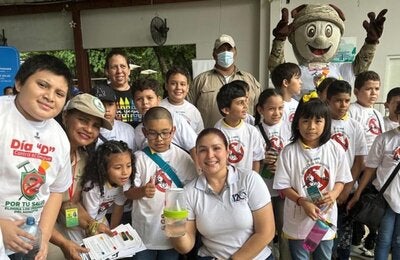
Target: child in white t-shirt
point(177, 81)
point(311, 159)
point(276, 134)
point(366, 89)
point(382, 159)
point(145, 97)
point(286, 78)
point(108, 169)
point(348, 133)
point(392, 99)
point(35, 163)
point(246, 145)
point(151, 181)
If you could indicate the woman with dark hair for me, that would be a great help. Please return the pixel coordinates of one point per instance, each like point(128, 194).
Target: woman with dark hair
point(223, 190)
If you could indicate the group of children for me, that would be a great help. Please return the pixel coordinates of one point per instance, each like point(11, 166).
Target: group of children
point(294, 145)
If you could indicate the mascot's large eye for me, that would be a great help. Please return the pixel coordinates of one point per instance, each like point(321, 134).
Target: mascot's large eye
point(328, 30)
point(311, 30)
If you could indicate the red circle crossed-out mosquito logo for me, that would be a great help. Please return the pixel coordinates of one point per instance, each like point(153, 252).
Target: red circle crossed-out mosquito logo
point(373, 126)
point(291, 116)
point(236, 152)
point(341, 139)
point(396, 154)
point(162, 181)
point(317, 175)
point(276, 143)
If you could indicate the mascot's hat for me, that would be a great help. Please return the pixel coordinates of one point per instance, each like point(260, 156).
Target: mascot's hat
point(310, 13)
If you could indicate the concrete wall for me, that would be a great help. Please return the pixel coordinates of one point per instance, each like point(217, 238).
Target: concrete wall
point(197, 23)
point(250, 22)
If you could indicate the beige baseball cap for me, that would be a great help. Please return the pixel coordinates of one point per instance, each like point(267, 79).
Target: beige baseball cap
point(224, 38)
point(90, 105)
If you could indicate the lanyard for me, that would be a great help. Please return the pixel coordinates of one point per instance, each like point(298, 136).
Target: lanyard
point(71, 188)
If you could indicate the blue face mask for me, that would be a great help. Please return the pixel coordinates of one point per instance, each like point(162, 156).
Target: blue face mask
point(225, 59)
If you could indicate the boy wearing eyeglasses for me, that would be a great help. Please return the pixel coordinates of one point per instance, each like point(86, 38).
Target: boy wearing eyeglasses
point(151, 180)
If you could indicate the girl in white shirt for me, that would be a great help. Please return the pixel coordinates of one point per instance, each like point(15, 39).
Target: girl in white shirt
point(276, 133)
point(311, 159)
point(106, 172)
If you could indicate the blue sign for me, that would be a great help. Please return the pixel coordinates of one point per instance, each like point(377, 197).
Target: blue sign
point(9, 65)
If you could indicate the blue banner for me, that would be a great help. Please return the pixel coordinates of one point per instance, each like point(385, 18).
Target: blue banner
point(9, 65)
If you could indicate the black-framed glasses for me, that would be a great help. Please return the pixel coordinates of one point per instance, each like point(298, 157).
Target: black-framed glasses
point(152, 135)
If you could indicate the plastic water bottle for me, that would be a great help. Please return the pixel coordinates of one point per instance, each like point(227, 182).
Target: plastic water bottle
point(32, 228)
point(315, 236)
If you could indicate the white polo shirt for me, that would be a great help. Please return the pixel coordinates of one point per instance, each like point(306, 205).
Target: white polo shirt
point(225, 220)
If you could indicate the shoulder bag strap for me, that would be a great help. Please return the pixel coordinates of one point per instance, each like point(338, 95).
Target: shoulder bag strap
point(164, 166)
point(264, 134)
point(379, 121)
point(389, 180)
point(102, 138)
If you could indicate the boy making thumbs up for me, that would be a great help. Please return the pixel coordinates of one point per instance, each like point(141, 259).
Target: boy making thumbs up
point(159, 167)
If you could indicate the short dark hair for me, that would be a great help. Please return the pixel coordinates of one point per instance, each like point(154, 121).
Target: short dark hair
point(229, 92)
point(310, 109)
point(172, 71)
point(211, 130)
point(156, 113)
point(177, 70)
point(43, 62)
point(325, 84)
point(7, 88)
point(364, 77)
point(115, 52)
point(284, 71)
point(338, 87)
point(143, 84)
point(394, 92)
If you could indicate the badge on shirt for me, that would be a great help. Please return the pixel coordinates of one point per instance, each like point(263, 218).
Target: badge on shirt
point(71, 215)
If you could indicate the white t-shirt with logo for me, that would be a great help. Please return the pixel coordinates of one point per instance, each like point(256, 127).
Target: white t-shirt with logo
point(245, 144)
point(146, 212)
point(299, 168)
point(371, 120)
point(289, 108)
point(35, 161)
point(349, 134)
point(317, 72)
point(279, 136)
point(97, 205)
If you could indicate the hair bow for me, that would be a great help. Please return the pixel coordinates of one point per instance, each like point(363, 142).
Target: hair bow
point(307, 97)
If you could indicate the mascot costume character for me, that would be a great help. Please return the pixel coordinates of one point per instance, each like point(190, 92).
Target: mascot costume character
point(315, 34)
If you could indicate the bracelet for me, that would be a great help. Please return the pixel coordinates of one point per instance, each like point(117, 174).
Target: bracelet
point(91, 230)
point(298, 200)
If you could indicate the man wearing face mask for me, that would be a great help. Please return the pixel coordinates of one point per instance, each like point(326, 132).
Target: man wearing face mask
point(205, 86)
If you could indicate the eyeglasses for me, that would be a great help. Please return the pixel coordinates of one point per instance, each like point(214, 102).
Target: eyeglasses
point(152, 135)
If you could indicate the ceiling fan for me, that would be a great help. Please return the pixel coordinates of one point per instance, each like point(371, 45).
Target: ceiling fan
point(159, 30)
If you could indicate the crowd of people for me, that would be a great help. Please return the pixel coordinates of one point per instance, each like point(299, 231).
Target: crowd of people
point(247, 158)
